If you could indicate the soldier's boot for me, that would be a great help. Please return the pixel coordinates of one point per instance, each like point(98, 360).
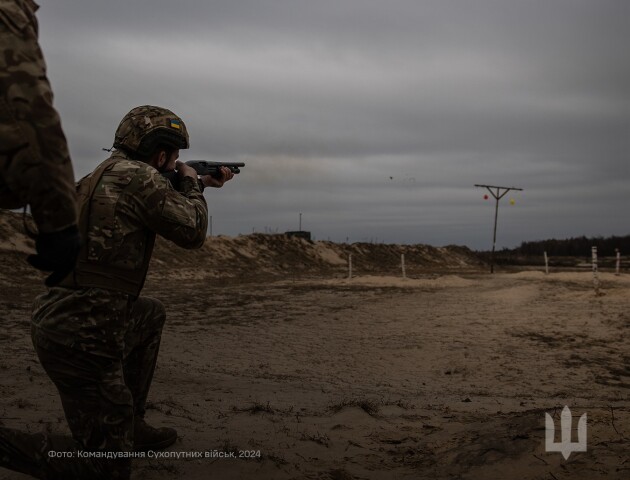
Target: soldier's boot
point(146, 437)
point(55, 457)
point(23, 452)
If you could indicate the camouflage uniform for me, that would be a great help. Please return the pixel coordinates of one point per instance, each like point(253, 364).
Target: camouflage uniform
point(35, 165)
point(97, 340)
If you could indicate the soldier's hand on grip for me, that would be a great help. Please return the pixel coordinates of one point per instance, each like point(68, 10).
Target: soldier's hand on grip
point(184, 170)
point(57, 253)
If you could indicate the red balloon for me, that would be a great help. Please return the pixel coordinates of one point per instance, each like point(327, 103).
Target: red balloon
point(485, 197)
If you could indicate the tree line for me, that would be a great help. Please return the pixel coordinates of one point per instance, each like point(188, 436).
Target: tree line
point(574, 247)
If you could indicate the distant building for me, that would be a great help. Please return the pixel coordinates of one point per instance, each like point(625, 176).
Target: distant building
point(299, 234)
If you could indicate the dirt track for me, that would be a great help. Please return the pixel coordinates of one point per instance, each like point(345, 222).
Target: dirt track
point(438, 377)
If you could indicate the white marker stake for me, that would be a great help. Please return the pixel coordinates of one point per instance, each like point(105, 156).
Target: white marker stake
point(546, 264)
point(618, 266)
point(350, 267)
point(595, 276)
point(402, 262)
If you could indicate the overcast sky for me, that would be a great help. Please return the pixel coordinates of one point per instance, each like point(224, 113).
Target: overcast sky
point(374, 119)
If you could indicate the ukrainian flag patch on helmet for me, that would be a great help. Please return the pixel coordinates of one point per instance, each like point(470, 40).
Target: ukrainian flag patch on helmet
point(175, 123)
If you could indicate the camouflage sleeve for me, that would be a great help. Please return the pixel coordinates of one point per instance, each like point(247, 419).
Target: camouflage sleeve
point(179, 216)
point(35, 165)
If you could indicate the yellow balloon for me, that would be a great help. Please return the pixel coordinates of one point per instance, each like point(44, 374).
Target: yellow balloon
point(512, 202)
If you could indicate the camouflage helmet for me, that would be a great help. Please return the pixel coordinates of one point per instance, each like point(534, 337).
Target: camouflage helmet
point(146, 128)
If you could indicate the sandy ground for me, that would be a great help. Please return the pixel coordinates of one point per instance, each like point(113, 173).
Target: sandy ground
point(376, 378)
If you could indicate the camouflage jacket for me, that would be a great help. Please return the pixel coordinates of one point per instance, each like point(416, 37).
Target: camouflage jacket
point(18, 13)
point(123, 204)
point(131, 203)
point(35, 166)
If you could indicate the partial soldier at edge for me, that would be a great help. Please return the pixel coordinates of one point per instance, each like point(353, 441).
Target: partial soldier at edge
point(97, 339)
point(35, 166)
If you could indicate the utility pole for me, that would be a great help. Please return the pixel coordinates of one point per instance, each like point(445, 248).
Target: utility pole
point(498, 195)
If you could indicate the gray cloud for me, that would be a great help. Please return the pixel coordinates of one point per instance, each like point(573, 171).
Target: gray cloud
point(326, 101)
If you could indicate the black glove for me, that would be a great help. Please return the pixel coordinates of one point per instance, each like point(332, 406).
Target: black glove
point(57, 253)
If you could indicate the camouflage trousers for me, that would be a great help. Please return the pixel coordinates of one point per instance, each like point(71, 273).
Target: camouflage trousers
point(35, 166)
point(101, 396)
